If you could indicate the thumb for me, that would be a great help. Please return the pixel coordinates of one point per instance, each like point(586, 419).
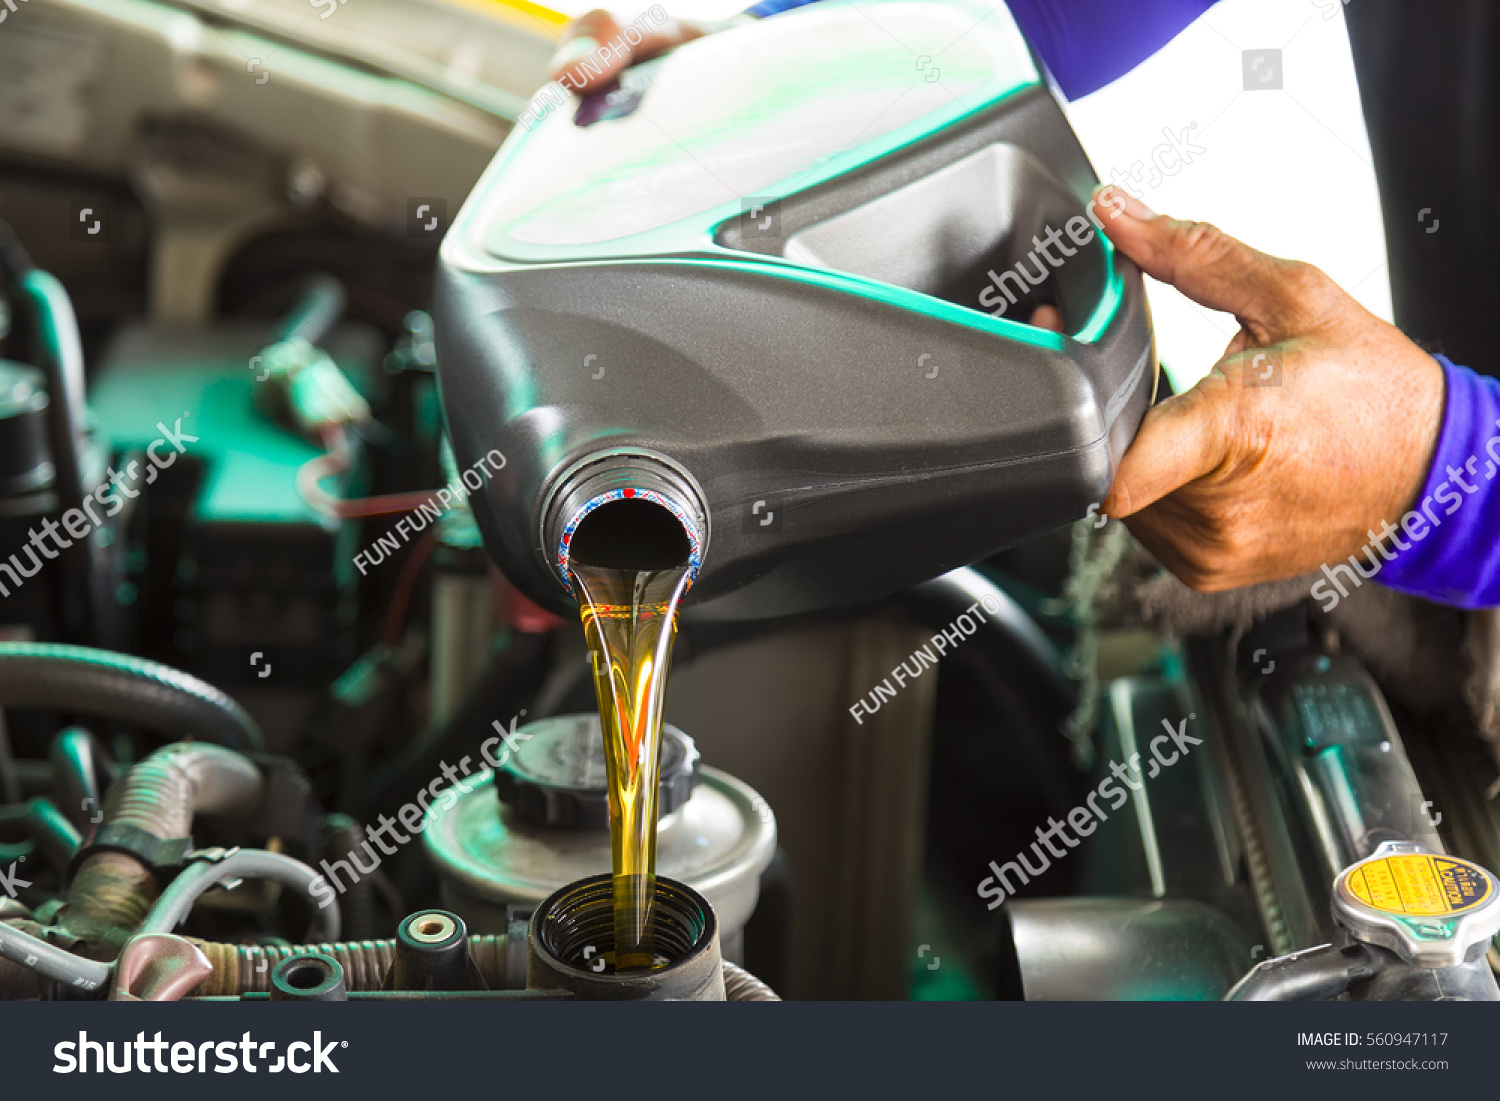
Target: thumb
point(598, 39)
point(1268, 295)
point(1181, 440)
point(581, 39)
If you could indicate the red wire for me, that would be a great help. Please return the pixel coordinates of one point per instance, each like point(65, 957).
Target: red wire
point(335, 461)
point(395, 618)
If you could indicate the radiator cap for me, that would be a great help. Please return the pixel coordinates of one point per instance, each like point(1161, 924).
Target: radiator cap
point(1431, 909)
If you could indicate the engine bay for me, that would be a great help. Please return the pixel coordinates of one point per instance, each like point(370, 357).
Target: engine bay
point(278, 727)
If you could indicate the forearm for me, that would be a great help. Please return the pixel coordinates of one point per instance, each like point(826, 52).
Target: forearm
point(1451, 535)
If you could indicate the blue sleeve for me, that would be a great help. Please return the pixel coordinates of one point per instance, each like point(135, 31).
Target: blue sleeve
point(772, 7)
point(1447, 548)
point(1089, 43)
point(1086, 43)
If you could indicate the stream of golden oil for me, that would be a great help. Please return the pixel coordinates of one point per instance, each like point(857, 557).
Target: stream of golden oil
point(630, 622)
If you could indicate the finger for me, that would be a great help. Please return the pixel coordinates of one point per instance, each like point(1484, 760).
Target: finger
point(1157, 537)
point(580, 41)
point(1270, 296)
point(1168, 538)
point(598, 24)
point(1180, 441)
point(584, 40)
point(667, 36)
point(1047, 317)
point(1241, 341)
point(581, 67)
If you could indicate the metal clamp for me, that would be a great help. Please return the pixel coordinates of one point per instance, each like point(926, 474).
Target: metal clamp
point(216, 854)
point(164, 856)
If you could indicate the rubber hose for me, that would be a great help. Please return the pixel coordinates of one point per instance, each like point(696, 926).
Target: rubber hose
point(14, 260)
point(1006, 630)
point(13, 818)
point(177, 900)
point(338, 836)
point(111, 892)
point(60, 349)
point(1313, 974)
point(47, 829)
point(243, 968)
point(741, 986)
point(76, 775)
point(119, 686)
point(50, 960)
point(162, 793)
point(55, 836)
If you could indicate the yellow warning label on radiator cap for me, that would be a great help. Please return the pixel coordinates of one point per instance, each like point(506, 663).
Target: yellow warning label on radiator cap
point(1419, 885)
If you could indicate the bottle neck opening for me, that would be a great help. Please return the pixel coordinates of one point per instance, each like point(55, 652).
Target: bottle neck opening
point(625, 510)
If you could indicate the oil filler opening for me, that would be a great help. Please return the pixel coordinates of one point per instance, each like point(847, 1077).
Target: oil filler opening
point(575, 926)
point(631, 533)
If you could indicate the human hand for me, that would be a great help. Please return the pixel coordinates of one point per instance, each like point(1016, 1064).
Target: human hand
point(584, 38)
point(1317, 425)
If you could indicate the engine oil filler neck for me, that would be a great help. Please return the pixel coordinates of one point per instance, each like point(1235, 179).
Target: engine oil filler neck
point(572, 940)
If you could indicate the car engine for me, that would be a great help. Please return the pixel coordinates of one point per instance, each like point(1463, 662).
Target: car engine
point(292, 711)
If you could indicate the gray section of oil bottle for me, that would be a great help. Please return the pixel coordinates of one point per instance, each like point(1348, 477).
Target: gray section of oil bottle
point(822, 370)
point(718, 836)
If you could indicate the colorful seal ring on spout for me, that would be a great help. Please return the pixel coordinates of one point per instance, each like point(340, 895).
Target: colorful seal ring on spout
point(622, 474)
point(689, 528)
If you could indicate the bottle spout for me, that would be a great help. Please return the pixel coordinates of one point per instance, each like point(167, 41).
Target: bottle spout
point(625, 509)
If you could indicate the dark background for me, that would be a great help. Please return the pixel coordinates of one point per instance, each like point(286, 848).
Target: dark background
point(1430, 84)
